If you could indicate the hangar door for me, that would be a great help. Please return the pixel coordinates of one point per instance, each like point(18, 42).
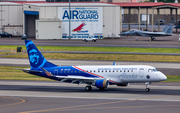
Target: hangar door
point(30, 17)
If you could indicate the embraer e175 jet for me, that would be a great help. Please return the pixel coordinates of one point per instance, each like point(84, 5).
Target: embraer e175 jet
point(100, 76)
point(167, 31)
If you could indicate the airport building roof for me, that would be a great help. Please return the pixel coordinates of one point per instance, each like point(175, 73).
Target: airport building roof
point(148, 5)
point(96, 4)
point(73, 4)
point(8, 3)
point(144, 4)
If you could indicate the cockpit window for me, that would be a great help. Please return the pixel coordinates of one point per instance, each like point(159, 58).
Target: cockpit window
point(152, 70)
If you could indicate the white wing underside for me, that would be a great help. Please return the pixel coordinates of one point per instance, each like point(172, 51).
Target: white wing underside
point(81, 79)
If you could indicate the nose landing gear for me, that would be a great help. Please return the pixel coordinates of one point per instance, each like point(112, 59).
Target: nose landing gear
point(147, 89)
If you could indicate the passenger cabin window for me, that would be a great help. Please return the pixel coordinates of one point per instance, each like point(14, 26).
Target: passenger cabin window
point(94, 71)
point(131, 70)
point(116, 70)
point(109, 70)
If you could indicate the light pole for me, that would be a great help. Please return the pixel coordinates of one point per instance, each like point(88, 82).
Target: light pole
point(69, 20)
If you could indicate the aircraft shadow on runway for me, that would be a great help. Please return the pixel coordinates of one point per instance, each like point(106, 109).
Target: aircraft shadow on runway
point(118, 90)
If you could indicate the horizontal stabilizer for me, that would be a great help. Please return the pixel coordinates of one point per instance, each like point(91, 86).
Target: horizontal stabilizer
point(28, 70)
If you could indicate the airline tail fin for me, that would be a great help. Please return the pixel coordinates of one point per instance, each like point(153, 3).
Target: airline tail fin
point(36, 59)
point(168, 28)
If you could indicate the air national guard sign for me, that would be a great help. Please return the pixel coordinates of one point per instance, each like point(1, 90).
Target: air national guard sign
point(85, 21)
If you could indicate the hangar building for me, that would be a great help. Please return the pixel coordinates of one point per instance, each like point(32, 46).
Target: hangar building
point(11, 19)
point(51, 20)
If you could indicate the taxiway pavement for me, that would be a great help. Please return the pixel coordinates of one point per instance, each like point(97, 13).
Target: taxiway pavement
point(20, 62)
point(123, 41)
point(54, 97)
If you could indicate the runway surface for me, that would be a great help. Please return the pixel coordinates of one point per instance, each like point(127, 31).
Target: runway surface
point(123, 41)
point(166, 68)
point(54, 97)
point(94, 52)
point(16, 61)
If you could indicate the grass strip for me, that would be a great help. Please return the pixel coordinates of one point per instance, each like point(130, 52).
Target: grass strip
point(172, 78)
point(9, 73)
point(5, 53)
point(97, 49)
point(105, 57)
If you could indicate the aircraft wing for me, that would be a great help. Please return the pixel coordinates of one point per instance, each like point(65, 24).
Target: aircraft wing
point(78, 78)
point(151, 34)
point(75, 78)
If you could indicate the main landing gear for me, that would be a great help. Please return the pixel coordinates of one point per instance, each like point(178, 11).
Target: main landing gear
point(88, 88)
point(147, 89)
point(152, 39)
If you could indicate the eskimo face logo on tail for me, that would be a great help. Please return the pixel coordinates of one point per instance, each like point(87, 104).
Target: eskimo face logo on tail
point(36, 59)
point(79, 28)
point(33, 56)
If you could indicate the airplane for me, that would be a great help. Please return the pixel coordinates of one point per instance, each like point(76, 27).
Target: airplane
point(167, 31)
point(100, 76)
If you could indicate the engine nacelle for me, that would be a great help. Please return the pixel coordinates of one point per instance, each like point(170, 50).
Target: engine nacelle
point(103, 83)
point(123, 84)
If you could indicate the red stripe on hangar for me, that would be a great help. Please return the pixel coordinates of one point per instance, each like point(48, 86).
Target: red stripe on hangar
point(88, 72)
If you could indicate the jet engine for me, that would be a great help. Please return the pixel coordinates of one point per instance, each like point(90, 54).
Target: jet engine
point(123, 84)
point(103, 83)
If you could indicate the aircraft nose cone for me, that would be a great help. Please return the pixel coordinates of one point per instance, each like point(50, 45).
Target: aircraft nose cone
point(163, 77)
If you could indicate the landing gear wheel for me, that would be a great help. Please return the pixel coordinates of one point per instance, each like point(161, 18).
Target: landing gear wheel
point(147, 89)
point(152, 39)
point(88, 88)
